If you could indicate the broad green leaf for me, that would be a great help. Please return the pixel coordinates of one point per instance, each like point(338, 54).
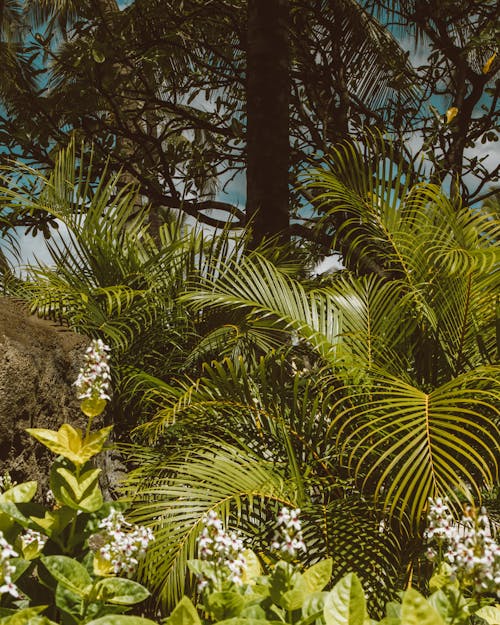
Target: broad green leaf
point(64, 483)
point(10, 514)
point(393, 609)
point(442, 577)
point(226, 604)
point(314, 604)
point(237, 620)
point(21, 493)
point(79, 485)
point(184, 613)
point(451, 605)
point(415, 610)
point(490, 613)
point(54, 522)
point(121, 619)
point(67, 600)
point(253, 568)
point(283, 579)
point(345, 604)
point(69, 573)
point(317, 576)
point(23, 617)
point(95, 443)
point(121, 591)
point(81, 493)
point(294, 599)
point(390, 620)
point(67, 441)
point(101, 566)
point(20, 566)
point(92, 406)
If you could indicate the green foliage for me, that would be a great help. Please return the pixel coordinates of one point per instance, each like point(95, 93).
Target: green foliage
point(355, 398)
point(282, 596)
point(385, 383)
point(59, 562)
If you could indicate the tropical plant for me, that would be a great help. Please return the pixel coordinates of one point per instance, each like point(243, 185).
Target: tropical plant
point(72, 559)
point(387, 389)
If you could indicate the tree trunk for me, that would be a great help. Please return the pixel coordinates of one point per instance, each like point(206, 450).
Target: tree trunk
point(268, 141)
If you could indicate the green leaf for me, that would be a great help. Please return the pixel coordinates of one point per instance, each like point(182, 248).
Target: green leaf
point(184, 613)
point(9, 514)
point(253, 568)
point(225, 604)
point(294, 599)
point(67, 600)
point(79, 485)
point(69, 573)
point(442, 577)
point(415, 610)
point(65, 442)
point(238, 620)
point(281, 580)
point(95, 443)
point(313, 605)
point(21, 493)
point(81, 493)
point(20, 566)
point(490, 613)
point(23, 617)
point(54, 522)
point(345, 604)
point(121, 591)
point(317, 576)
point(121, 619)
point(451, 605)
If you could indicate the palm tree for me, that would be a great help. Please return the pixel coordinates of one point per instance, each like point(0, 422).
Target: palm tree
point(398, 399)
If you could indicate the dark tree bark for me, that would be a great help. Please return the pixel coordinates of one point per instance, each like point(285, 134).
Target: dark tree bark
point(268, 139)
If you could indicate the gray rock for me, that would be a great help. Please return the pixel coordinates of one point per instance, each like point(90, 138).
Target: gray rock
point(39, 362)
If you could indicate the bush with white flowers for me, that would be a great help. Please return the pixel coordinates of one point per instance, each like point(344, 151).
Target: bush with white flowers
point(472, 554)
point(6, 568)
point(288, 538)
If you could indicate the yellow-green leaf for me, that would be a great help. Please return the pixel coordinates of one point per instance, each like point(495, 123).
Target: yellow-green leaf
point(67, 441)
point(416, 610)
point(95, 442)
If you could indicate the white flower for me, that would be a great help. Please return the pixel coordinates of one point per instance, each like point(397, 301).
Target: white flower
point(11, 588)
point(288, 537)
point(6, 568)
point(469, 549)
point(124, 543)
point(224, 550)
point(93, 379)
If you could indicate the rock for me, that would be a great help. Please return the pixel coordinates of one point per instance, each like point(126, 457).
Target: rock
point(39, 362)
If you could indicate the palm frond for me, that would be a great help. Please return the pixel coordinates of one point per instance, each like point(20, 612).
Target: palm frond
point(334, 530)
point(174, 497)
point(406, 445)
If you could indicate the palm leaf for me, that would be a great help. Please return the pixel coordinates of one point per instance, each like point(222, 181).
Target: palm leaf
point(405, 445)
point(173, 499)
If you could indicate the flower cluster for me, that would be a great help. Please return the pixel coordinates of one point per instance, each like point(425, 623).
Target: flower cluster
point(224, 550)
point(6, 482)
point(121, 544)
point(440, 525)
point(469, 549)
point(6, 568)
point(288, 538)
point(93, 378)
point(32, 536)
